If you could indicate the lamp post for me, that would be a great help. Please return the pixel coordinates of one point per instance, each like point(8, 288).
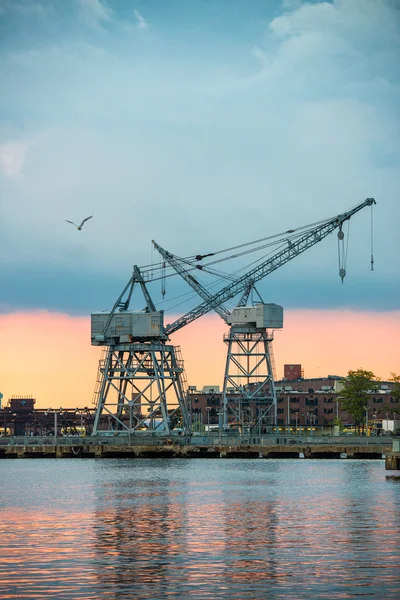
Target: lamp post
point(220, 423)
point(311, 420)
point(55, 426)
point(208, 408)
point(375, 424)
point(366, 408)
point(288, 414)
point(297, 416)
point(81, 413)
point(55, 412)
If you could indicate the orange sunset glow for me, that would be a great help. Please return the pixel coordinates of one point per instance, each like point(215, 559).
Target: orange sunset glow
point(49, 356)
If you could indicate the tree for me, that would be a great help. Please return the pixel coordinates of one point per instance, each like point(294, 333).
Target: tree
point(395, 392)
point(357, 387)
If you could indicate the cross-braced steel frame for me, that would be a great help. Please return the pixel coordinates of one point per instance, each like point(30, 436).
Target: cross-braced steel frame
point(134, 382)
point(249, 375)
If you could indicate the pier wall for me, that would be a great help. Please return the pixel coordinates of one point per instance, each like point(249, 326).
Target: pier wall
point(194, 447)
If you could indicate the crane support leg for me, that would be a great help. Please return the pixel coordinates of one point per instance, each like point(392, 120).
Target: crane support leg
point(249, 397)
point(141, 387)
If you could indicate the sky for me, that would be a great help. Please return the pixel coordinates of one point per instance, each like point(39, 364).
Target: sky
point(202, 125)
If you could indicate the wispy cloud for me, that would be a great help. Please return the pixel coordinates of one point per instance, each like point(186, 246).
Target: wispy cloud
point(29, 8)
point(141, 21)
point(12, 157)
point(303, 111)
point(94, 12)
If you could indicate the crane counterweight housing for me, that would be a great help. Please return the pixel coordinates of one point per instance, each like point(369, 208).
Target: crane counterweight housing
point(125, 326)
point(268, 316)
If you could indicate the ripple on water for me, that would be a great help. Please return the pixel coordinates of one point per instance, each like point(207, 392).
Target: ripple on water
point(198, 529)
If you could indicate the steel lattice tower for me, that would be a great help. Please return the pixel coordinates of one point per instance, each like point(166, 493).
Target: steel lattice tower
point(249, 374)
point(141, 386)
point(140, 381)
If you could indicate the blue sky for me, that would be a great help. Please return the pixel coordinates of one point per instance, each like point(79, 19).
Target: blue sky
point(199, 124)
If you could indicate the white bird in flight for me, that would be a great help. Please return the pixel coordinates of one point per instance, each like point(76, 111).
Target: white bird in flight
point(79, 227)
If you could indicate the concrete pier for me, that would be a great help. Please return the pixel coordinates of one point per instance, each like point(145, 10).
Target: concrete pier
point(266, 448)
point(392, 459)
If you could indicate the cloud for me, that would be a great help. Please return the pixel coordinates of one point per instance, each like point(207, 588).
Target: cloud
point(94, 12)
point(12, 157)
point(28, 9)
point(213, 139)
point(141, 22)
point(336, 28)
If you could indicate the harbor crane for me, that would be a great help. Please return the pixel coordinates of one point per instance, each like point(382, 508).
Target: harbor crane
point(138, 370)
point(249, 368)
point(141, 376)
point(249, 341)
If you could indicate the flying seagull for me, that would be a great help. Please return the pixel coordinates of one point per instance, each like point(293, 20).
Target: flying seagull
point(79, 227)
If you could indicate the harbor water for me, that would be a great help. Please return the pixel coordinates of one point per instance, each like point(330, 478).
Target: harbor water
point(198, 528)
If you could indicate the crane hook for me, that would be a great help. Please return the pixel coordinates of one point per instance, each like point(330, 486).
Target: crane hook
point(342, 254)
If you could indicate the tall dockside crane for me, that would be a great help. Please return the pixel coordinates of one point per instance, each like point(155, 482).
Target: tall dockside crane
point(139, 372)
point(249, 364)
point(140, 382)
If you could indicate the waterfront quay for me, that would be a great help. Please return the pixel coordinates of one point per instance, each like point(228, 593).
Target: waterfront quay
point(152, 446)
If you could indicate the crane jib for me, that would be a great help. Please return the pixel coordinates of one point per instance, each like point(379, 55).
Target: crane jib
point(294, 249)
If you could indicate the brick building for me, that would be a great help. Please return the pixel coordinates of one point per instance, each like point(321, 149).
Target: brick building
point(305, 403)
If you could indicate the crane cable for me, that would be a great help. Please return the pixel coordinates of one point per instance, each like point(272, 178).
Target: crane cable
point(167, 271)
point(198, 257)
point(343, 248)
point(372, 237)
point(190, 262)
point(206, 268)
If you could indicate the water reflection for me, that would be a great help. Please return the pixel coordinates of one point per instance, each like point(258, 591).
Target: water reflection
point(199, 529)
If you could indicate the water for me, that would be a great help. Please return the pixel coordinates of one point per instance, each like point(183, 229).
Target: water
point(233, 529)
